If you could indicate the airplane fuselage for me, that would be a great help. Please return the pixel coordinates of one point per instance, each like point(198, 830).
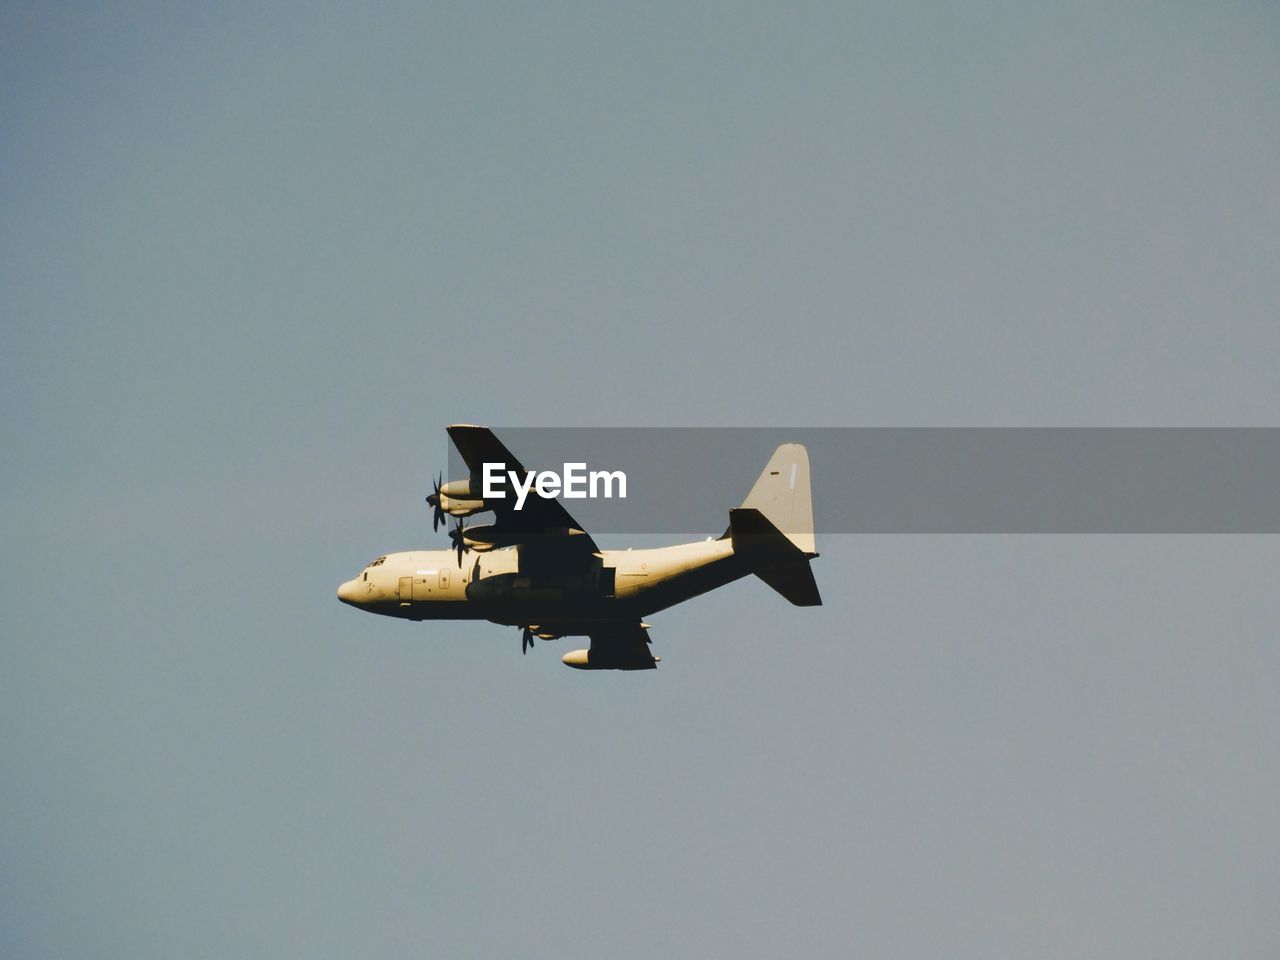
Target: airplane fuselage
point(517, 587)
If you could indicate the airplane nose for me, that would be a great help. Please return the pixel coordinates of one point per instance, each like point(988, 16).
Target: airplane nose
point(347, 592)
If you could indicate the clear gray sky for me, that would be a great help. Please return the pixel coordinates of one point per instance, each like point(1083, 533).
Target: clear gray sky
point(252, 262)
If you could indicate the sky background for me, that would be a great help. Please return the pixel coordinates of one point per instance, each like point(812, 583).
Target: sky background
point(252, 262)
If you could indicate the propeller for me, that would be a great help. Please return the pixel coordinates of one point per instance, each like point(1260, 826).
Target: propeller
point(526, 640)
point(437, 515)
point(456, 536)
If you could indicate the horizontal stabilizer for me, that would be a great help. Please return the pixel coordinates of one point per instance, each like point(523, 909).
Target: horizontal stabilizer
point(774, 556)
point(794, 581)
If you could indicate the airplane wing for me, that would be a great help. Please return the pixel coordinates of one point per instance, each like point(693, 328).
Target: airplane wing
point(615, 646)
point(543, 519)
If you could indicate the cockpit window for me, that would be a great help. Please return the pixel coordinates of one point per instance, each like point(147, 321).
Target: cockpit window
point(378, 562)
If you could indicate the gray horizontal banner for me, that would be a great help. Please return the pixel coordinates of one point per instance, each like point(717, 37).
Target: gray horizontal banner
point(927, 480)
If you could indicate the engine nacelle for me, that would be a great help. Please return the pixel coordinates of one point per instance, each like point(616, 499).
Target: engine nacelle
point(457, 507)
point(487, 537)
point(459, 490)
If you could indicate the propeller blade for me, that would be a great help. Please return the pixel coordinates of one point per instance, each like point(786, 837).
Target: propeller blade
point(458, 541)
point(437, 515)
point(526, 640)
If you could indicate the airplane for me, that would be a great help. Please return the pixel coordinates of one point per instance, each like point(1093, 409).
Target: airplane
point(537, 569)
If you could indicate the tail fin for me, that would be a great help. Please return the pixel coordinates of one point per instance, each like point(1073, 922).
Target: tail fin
point(774, 557)
point(774, 526)
point(781, 494)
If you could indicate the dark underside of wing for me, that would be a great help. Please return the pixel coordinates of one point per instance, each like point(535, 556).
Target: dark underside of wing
point(543, 521)
point(622, 646)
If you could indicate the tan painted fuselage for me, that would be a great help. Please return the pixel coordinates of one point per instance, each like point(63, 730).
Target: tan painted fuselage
point(508, 586)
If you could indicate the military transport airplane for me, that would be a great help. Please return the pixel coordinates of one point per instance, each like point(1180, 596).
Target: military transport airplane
point(537, 569)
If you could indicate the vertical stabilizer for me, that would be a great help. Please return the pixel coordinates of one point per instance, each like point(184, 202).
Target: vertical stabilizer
point(782, 494)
